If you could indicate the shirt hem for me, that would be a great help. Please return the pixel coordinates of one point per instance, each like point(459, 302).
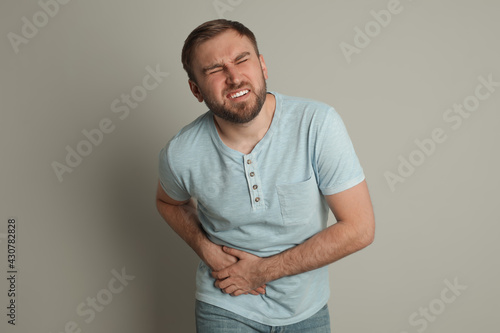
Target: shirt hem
point(258, 318)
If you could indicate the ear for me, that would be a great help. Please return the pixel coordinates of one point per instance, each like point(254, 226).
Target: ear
point(195, 90)
point(263, 66)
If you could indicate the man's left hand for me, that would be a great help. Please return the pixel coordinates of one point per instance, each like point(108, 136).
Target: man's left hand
point(249, 273)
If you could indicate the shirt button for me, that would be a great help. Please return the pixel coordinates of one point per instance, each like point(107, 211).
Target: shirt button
point(257, 199)
point(249, 161)
point(255, 187)
point(252, 174)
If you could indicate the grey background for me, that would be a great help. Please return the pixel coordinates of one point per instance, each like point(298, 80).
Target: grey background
point(440, 224)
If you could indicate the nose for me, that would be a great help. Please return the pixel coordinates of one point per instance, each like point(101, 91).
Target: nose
point(233, 76)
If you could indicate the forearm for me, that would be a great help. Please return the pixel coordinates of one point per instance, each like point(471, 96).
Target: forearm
point(354, 230)
point(324, 248)
point(320, 250)
point(183, 219)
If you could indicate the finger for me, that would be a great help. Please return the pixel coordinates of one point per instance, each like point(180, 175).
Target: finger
point(231, 289)
point(237, 253)
point(237, 292)
point(221, 275)
point(223, 284)
point(261, 291)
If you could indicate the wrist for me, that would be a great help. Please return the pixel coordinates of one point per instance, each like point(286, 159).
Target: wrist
point(203, 246)
point(274, 268)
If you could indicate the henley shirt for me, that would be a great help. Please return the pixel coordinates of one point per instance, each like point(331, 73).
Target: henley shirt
point(267, 201)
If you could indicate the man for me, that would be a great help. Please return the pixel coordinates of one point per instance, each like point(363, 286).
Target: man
point(264, 168)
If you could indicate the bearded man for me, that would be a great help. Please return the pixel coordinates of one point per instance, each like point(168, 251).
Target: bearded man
point(265, 169)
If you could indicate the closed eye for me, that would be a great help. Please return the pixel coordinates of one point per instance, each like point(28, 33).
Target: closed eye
point(215, 71)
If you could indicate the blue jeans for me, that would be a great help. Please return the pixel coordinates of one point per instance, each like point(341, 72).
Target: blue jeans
point(212, 319)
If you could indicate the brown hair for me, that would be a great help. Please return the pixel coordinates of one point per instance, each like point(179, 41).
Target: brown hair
point(205, 32)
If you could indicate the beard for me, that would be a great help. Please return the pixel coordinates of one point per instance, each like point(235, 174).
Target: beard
point(241, 112)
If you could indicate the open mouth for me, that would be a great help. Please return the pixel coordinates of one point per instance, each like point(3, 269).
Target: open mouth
point(239, 94)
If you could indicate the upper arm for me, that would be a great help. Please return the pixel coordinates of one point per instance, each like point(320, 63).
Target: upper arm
point(337, 165)
point(170, 179)
point(354, 206)
point(164, 197)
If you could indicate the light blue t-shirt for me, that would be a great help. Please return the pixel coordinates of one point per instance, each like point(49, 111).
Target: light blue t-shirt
point(267, 201)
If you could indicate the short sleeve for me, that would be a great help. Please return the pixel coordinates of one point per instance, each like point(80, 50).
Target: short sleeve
point(337, 165)
point(169, 180)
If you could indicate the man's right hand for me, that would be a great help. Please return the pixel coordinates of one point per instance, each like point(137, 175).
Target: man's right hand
point(182, 217)
point(216, 259)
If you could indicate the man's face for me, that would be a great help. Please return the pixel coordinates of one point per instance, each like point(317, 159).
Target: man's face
point(230, 77)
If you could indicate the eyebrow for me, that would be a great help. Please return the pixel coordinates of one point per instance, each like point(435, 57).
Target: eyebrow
point(219, 65)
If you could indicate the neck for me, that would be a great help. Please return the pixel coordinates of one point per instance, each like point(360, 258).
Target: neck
point(244, 137)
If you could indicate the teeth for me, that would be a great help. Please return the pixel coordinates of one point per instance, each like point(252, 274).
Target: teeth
point(241, 93)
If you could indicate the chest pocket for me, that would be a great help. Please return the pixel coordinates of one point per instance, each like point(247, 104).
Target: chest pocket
point(299, 202)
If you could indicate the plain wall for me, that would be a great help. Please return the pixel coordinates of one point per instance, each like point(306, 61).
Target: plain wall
point(437, 224)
